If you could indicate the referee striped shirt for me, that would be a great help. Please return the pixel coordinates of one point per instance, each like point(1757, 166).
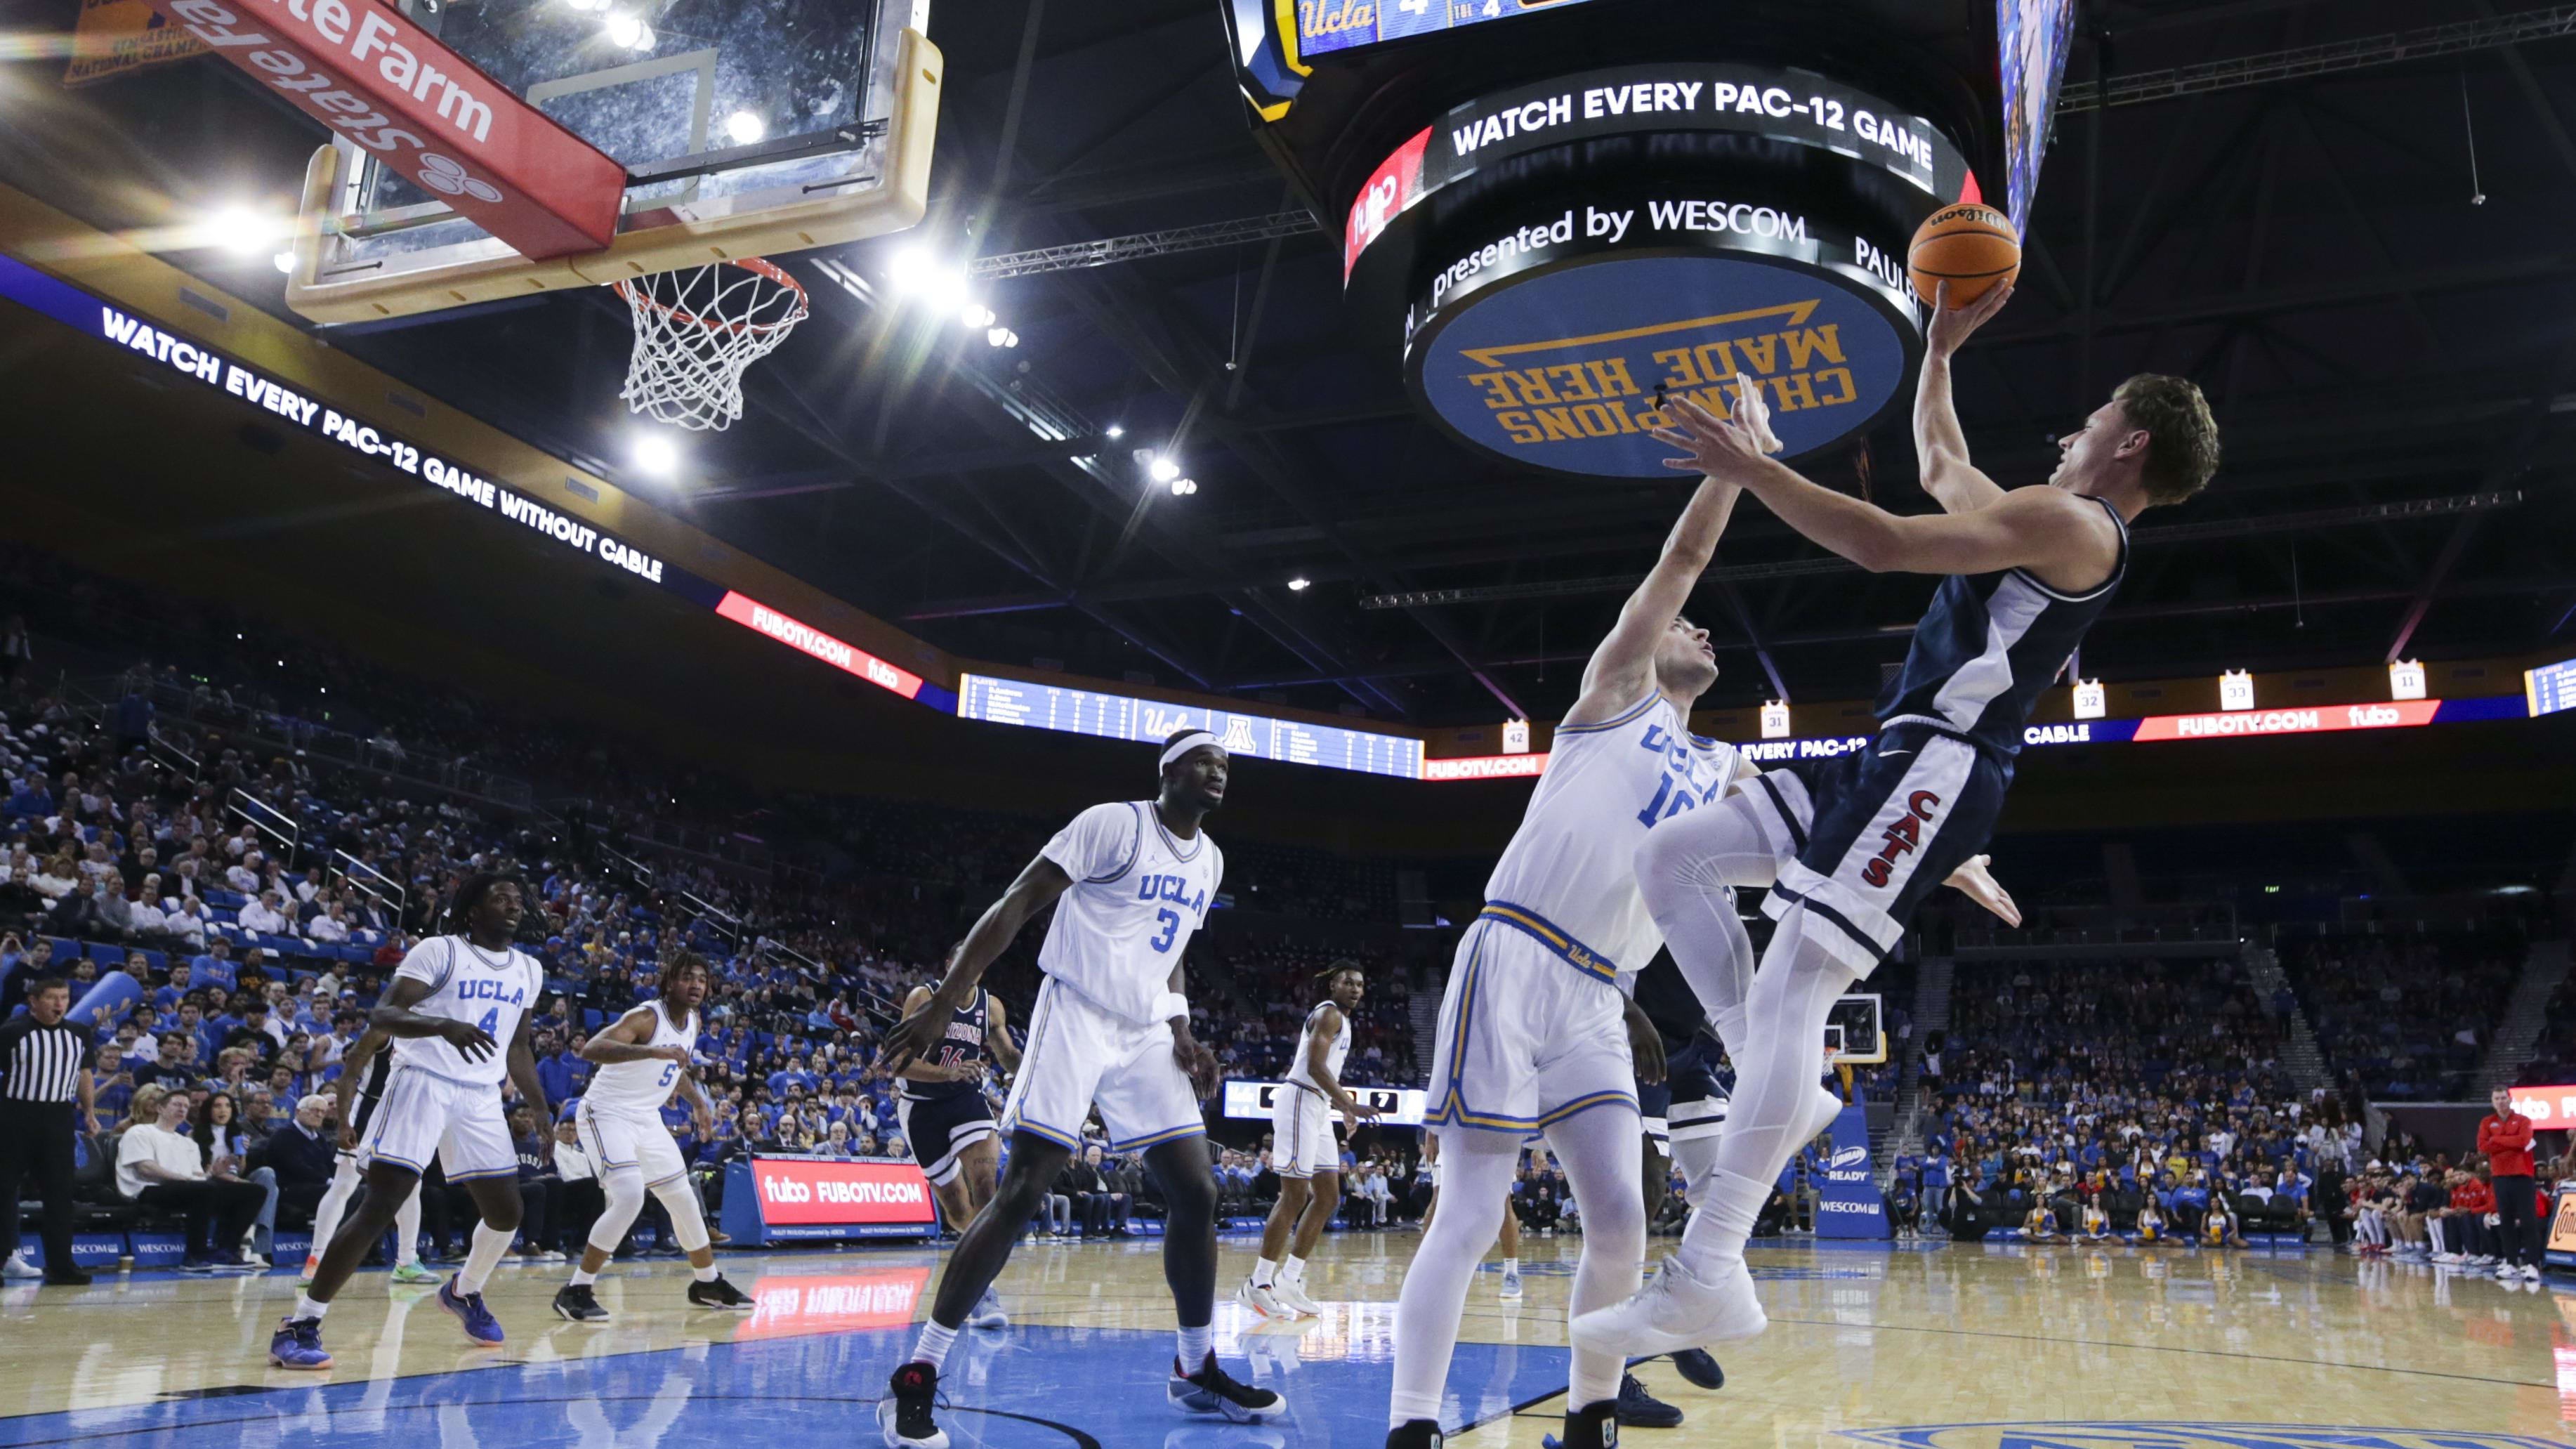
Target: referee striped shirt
point(41, 1063)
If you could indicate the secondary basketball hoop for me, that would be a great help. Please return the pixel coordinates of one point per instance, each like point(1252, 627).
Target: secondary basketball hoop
point(697, 329)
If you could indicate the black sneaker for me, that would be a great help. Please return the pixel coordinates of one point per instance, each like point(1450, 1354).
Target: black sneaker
point(1641, 1410)
point(576, 1302)
point(66, 1278)
point(1700, 1367)
point(1594, 1426)
point(1414, 1434)
point(903, 1415)
point(1212, 1391)
point(717, 1293)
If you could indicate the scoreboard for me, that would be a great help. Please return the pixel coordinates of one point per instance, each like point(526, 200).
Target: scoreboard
point(1324, 26)
point(1149, 721)
point(2550, 688)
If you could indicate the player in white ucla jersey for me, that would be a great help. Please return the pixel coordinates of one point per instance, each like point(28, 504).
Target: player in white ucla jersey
point(1302, 1151)
point(643, 1060)
point(457, 1010)
point(1130, 884)
point(1534, 1031)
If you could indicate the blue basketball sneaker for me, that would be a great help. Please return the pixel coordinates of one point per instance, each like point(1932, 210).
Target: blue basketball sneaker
point(297, 1344)
point(480, 1325)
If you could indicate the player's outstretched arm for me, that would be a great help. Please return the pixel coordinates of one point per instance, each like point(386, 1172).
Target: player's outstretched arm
point(921, 1029)
point(1940, 447)
point(2051, 532)
point(1622, 669)
point(624, 1041)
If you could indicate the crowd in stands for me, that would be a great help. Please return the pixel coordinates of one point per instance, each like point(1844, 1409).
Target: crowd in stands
point(2411, 1015)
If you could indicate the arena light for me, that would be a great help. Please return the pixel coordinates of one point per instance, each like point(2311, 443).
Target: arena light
point(2406, 679)
point(284, 261)
point(628, 32)
point(1775, 719)
point(1300, 584)
point(1114, 431)
point(1163, 470)
point(2092, 701)
point(744, 128)
point(2236, 690)
point(1002, 337)
point(242, 231)
point(1184, 487)
point(656, 454)
point(976, 315)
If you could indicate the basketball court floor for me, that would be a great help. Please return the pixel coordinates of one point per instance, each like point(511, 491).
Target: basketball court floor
point(1940, 1348)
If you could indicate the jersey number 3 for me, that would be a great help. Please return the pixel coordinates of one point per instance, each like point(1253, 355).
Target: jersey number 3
point(1171, 920)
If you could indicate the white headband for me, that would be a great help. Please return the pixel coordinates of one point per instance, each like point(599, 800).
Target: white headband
point(1183, 746)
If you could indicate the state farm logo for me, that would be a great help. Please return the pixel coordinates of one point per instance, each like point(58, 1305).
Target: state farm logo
point(443, 175)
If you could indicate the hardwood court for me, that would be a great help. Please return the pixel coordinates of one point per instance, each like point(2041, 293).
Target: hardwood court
point(1947, 1348)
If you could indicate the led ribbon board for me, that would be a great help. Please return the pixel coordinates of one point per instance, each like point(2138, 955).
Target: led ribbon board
point(1150, 721)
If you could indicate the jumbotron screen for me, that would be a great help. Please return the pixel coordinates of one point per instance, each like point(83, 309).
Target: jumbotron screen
point(1324, 26)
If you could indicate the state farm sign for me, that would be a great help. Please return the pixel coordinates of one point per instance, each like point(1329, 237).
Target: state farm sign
point(371, 75)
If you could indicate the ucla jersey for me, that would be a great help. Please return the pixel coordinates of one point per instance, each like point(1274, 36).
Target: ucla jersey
point(1987, 647)
point(641, 1087)
point(1607, 784)
point(491, 989)
point(1139, 893)
point(1298, 1072)
point(962, 1046)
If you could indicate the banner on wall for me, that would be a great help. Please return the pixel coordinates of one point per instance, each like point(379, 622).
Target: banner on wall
point(120, 37)
point(1848, 1202)
point(786, 1199)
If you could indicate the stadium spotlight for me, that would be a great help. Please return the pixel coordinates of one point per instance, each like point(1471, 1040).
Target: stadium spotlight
point(285, 261)
point(628, 32)
point(1114, 431)
point(241, 231)
point(976, 315)
point(656, 454)
point(1184, 487)
point(745, 128)
point(1164, 470)
point(1002, 337)
point(1300, 584)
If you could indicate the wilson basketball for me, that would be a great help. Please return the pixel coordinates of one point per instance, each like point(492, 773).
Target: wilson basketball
point(1971, 246)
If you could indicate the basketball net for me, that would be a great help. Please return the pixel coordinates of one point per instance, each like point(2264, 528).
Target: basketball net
point(697, 329)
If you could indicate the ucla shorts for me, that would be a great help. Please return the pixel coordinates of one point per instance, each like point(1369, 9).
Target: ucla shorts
point(1864, 837)
point(617, 1141)
point(424, 1113)
point(1528, 1037)
point(1080, 1055)
point(1301, 1133)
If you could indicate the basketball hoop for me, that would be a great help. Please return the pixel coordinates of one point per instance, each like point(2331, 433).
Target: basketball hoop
point(697, 329)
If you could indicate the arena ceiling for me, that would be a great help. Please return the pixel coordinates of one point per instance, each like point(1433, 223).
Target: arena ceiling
point(2347, 219)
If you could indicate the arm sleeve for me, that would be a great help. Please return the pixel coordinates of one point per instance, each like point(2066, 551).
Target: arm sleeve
point(1101, 843)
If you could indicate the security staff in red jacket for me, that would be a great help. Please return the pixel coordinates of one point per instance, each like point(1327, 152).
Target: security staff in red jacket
point(2505, 1138)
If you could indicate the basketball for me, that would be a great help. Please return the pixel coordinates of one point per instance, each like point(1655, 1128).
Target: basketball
point(1971, 246)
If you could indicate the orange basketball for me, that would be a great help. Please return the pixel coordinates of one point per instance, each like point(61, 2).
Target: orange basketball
point(1971, 246)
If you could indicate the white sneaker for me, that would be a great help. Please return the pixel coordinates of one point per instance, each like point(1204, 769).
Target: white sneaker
point(2530, 1273)
point(18, 1270)
point(1262, 1300)
point(987, 1312)
point(1674, 1312)
point(1511, 1287)
point(2446, 1257)
point(1293, 1294)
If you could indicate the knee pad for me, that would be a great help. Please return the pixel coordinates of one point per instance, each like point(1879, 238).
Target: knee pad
point(688, 1220)
point(623, 1194)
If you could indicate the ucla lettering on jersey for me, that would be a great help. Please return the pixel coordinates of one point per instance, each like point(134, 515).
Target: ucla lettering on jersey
point(1139, 894)
point(1989, 645)
point(1567, 877)
point(491, 989)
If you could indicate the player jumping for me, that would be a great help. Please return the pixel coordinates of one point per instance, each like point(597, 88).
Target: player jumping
point(643, 1059)
point(1130, 883)
point(1863, 836)
point(458, 1013)
point(1302, 1151)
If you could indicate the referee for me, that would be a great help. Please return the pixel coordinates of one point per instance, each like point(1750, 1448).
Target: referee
point(44, 1069)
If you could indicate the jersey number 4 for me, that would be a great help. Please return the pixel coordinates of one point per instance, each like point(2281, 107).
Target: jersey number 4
point(490, 1025)
point(1171, 920)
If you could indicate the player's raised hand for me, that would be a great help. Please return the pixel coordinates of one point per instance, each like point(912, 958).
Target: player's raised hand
point(1951, 328)
point(1978, 884)
point(914, 1036)
point(1718, 447)
point(471, 1041)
